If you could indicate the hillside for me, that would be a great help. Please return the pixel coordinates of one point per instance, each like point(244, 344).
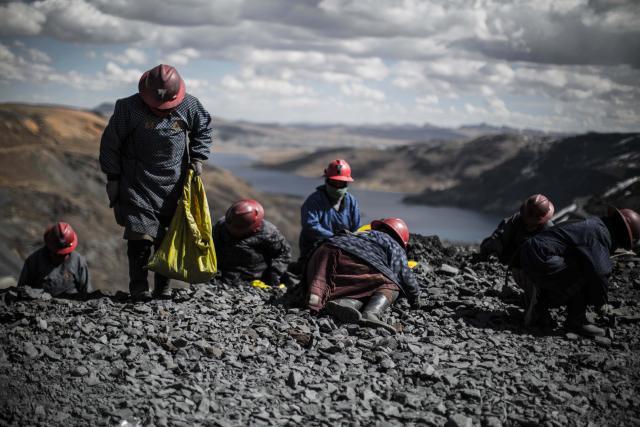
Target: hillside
point(490, 173)
point(49, 171)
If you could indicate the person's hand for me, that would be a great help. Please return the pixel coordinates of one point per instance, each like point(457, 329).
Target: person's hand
point(113, 189)
point(196, 166)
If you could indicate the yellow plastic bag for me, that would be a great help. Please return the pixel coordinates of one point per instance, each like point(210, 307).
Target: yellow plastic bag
point(187, 252)
point(260, 284)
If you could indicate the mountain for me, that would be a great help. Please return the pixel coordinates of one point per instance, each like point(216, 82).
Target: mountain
point(49, 171)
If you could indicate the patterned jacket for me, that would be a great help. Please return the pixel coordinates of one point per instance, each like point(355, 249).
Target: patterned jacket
point(383, 253)
point(257, 256)
point(148, 156)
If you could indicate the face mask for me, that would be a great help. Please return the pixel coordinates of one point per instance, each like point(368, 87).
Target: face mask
point(336, 193)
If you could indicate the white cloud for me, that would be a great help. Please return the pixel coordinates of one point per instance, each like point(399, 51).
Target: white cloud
point(358, 90)
point(128, 56)
point(38, 55)
point(427, 100)
point(181, 57)
point(261, 85)
point(20, 19)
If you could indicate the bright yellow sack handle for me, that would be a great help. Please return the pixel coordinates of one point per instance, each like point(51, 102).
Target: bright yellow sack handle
point(365, 227)
point(412, 263)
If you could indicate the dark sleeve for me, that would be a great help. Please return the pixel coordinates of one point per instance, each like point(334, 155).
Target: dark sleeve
point(113, 137)
point(279, 253)
point(497, 243)
point(28, 273)
point(200, 136)
point(84, 281)
point(407, 279)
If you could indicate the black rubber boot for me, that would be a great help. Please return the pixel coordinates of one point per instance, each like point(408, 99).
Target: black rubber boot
point(371, 313)
point(577, 318)
point(162, 287)
point(346, 310)
point(138, 252)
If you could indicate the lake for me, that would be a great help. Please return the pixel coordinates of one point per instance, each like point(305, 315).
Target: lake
point(453, 224)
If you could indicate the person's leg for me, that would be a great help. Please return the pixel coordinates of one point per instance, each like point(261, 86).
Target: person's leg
point(318, 269)
point(345, 309)
point(138, 252)
point(577, 317)
point(161, 284)
point(376, 305)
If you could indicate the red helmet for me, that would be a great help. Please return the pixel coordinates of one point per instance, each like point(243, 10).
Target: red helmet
point(244, 217)
point(338, 170)
point(536, 210)
point(162, 87)
point(60, 238)
point(397, 226)
point(629, 221)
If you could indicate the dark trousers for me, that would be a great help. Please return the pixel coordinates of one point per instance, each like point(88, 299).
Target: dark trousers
point(139, 252)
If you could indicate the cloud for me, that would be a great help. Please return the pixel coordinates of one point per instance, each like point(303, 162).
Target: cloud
point(181, 57)
point(128, 56)
point(20, 19)
point(361, 91)
point(259, 85)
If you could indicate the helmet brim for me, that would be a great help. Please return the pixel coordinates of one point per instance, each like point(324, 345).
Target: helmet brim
point(153, 102)
point(626, 233)
point(340, 178)
point(378, 225)
point(70, 248)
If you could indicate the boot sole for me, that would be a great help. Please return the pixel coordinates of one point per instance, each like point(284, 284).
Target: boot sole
point(342, 313)
point(378, 324)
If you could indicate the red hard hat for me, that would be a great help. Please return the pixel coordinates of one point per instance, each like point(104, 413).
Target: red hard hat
point(244, 217)
point(60, 238)
point(537, 209)
point(338, 170)
point(396, 225)
point(629, 221)
point(162, 87)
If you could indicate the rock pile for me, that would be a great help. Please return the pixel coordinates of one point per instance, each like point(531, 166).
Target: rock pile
point(234, 356)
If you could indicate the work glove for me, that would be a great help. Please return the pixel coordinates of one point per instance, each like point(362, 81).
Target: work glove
point(271, 278)
point(196, 166)
point(113, 189)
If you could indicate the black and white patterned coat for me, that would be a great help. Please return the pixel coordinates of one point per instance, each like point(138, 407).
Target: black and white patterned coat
point(148, 156)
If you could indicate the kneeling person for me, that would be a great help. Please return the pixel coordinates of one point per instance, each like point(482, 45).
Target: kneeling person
point(55, 267)
point(570, 265)
point(248, 247)
point(351, 269)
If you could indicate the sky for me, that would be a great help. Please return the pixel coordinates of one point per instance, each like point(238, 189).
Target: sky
point(557, 65)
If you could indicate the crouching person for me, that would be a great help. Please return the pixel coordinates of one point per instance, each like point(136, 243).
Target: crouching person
point(56, 267)
point(350, 271)
point(570, 264)
point(248, 247)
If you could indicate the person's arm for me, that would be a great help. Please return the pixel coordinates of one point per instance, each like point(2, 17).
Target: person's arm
point(499, 239)
point(310, 220)
point(113, 137)
point(83, 279)
point(407, 278)
point(200, 136)
point(355, 215)
point(279, 253)
point(27, 275)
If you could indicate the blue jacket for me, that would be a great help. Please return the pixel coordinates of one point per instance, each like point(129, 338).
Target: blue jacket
point(320, 221)
point(382, 252)
point(571, 251)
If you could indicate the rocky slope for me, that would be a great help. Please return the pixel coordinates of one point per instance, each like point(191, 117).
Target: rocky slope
point(49, 172)
point(237, 356)
point(491, 173)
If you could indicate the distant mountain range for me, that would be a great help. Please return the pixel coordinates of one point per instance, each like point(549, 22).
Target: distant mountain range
point(341, 134)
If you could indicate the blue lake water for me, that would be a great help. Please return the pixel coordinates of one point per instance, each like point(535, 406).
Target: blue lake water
point(453, 224)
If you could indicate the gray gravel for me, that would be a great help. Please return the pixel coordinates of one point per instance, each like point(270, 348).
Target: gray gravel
point(236, 356)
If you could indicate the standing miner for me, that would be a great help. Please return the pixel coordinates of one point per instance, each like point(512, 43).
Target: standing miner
point(570, 263)
point(150, 141)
